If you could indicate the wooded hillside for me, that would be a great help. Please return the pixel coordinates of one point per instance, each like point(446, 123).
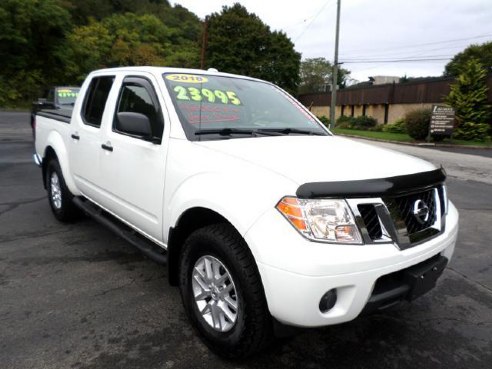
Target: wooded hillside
point(57, 42)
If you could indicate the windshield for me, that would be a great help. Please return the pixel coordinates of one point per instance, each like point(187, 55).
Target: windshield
point(67, 95)
point(215, 107)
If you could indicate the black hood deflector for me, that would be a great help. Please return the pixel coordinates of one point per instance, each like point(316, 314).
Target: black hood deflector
point(379, 187)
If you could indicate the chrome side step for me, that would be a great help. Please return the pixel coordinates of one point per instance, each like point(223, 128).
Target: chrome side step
point(147, 247)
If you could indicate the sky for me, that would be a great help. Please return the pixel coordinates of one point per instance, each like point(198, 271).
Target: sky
point(373, 32)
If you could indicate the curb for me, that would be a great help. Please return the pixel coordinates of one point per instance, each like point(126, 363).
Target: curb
point(418, 144)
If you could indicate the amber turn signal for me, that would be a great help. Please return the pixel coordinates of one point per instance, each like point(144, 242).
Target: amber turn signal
point(291, 209)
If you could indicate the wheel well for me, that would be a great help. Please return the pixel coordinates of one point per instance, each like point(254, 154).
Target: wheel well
point(48, 155)
point(190, 221)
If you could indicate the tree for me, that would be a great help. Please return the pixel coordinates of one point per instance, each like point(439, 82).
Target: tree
point(46, 42)
point(83, 10)
point(87, 48)
point(468, 97)
point(183, 23)
point(125, 40)
point(239, 42)
point(31, 32)
point(482, 53)
point(316, 75)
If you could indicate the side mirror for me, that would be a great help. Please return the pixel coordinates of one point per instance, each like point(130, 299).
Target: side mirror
point(134, 123)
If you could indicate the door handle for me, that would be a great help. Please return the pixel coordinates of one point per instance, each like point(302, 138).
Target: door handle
point(107, 147)
point(75, 136)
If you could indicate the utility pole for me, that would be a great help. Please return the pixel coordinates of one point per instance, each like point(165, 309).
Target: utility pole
point(204, 43)
point(335, 71)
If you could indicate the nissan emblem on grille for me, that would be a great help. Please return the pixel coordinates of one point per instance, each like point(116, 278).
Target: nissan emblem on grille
point(420, 211)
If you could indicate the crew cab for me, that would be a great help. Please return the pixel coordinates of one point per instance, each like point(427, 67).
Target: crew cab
point(264, 218)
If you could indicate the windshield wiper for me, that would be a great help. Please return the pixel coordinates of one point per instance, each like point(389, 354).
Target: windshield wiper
point(287, 131)
point(234, 131)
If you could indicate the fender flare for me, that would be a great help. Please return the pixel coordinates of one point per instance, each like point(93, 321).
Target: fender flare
point(55, 142)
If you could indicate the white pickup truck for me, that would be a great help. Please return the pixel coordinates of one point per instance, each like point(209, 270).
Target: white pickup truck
point(264, 218)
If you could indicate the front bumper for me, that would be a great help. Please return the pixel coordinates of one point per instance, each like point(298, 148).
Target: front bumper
point(296, 272)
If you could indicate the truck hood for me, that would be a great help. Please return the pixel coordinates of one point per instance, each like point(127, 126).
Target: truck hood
point(305, 159)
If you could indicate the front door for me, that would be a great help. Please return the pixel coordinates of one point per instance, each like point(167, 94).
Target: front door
point(132, 164)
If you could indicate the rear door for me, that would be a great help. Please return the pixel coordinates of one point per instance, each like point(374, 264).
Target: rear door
point(133, 167)
point(86, 137)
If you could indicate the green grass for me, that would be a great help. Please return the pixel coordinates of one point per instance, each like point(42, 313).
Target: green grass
point(387, 136)
point(403, 137)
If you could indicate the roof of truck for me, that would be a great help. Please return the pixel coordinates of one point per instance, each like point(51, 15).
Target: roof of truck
point(162, 70)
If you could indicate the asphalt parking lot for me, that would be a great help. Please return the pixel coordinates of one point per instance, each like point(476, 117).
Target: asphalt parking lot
point(77, 296)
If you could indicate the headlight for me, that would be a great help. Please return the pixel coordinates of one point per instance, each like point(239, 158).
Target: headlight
point(321, 220)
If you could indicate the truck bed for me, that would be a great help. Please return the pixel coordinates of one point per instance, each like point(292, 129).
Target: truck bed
point(63, 115)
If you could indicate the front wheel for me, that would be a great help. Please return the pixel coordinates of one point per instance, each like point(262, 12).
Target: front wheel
point(222, 292)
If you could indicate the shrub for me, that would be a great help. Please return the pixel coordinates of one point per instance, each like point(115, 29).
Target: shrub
point(376, 128)
point(438, 138)
point(364, 122)
point(345, 124)
point(397, 127)
point(325, 120)
point(472, 131)
point(468, 95)
point(361, 122)
point(417, 122)
point(344, 121)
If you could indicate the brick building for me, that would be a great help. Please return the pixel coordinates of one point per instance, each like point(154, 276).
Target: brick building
point(385, 102)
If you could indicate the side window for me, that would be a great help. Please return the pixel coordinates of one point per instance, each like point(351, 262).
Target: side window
point(138, 96)
point(95, 100)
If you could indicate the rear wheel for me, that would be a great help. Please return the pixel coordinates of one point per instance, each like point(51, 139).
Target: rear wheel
point(222, 292)
point(59, 195)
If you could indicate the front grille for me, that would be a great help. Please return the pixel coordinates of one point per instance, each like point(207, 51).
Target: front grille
point(399, 218)
point(403, 207)
point(411, 227)
point(371, 220)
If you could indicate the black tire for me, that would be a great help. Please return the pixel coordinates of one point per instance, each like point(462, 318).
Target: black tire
point(252, 330)
point(64, 210)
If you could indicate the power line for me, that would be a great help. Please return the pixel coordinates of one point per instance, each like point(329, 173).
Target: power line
point(429, 43)
point(400, 54)
point(411, 57)
point(394, 61)
point(403, 53)
point(301, 22)
point(312, 20)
